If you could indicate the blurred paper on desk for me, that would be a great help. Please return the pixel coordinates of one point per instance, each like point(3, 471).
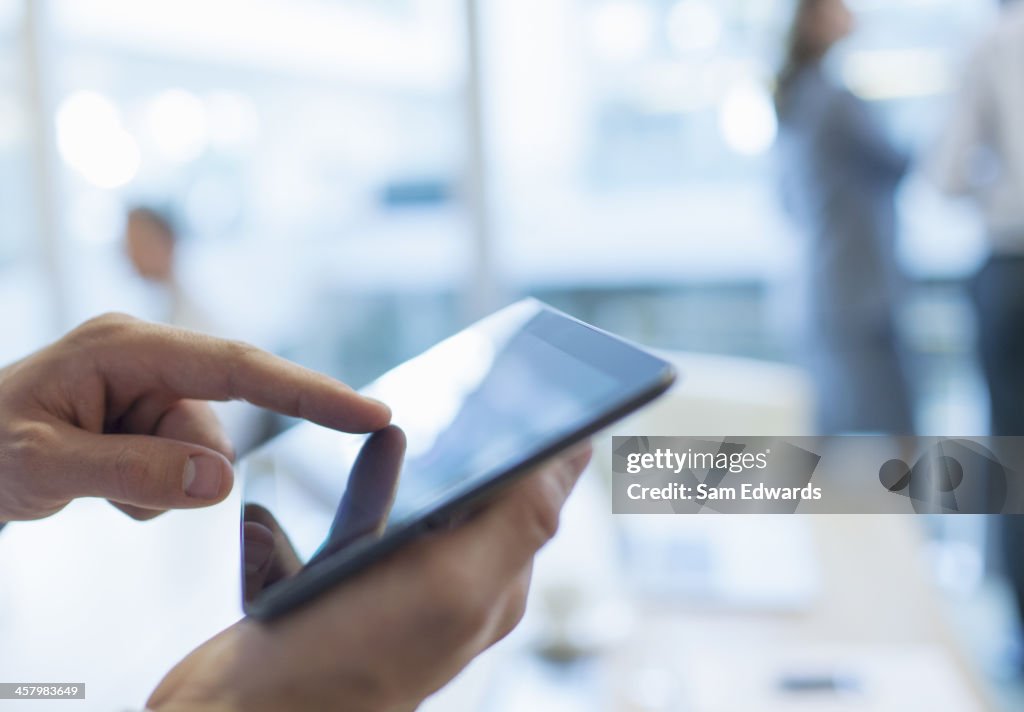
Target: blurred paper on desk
point(888, 679)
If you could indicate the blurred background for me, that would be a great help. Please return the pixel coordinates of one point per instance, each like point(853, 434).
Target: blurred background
point(345, 182)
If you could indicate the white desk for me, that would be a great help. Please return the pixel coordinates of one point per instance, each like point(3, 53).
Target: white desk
point(877, 619)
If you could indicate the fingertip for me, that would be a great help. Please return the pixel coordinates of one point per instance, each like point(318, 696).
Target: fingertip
point(578, 456)
point(366, 415)
point(382, 413)
point(348, 411)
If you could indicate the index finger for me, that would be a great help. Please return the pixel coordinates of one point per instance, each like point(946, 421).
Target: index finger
point(186, 364)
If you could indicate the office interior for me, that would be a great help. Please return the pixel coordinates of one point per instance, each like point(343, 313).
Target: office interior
point(354, 180)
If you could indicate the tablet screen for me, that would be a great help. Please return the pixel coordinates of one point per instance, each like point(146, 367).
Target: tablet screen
point(464, 412)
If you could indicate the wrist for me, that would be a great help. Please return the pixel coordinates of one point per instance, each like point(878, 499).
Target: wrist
point(249, 668)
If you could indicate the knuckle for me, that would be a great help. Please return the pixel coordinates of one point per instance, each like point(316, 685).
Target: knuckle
point(111, 321)
point(240, 350)
point(470, 617)
point(102, 328)
point(236, 353)
point(515, 611)
point(543, 509)
point(28, 492)
point(29, 441)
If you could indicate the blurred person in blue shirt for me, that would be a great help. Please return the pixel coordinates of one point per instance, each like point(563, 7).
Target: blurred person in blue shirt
point(838, 176)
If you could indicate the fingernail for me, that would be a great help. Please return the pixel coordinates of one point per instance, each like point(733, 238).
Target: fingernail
point(203, 476)
point(257, 546)
point(257, 554)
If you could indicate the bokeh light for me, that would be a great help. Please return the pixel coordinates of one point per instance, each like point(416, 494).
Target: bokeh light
point(622, 29)
point(177, 125)
point(746, 119)
point(92, 140)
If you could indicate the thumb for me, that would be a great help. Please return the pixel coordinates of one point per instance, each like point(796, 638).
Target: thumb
point(146, 471)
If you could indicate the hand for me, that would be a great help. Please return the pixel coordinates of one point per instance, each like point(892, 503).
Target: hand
point(108, 411)
point(386, 639)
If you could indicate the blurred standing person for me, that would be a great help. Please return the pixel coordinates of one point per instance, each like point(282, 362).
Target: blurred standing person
point(150, 241)
point(981, 155)
point(838, 176)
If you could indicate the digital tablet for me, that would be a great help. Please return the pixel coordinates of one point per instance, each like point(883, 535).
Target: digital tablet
point(470, 415)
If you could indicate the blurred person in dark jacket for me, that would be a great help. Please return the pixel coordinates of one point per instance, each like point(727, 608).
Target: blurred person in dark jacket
point(838, 175)
point(980, 155)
